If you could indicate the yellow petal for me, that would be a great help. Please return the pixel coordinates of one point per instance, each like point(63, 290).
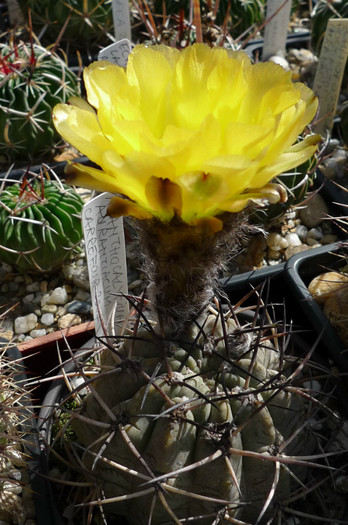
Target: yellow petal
point(119, 207)
point(81, 128)
point(164, 197)
point(91, 178)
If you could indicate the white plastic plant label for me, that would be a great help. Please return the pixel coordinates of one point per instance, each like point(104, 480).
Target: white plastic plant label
point(121, 16)
point(107, 269)
point(329, 74)
point(117, 53)
point(276, 29)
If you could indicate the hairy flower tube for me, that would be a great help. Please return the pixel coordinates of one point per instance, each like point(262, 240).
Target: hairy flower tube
point(188, 134)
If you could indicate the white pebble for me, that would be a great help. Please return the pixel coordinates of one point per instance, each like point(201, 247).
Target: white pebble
point(25, 324)
point(315, 233)
point(49, 309)
point(58, 296)
point(69, 320)
point(47, 319)
point(302, 232)
point(276, 242)
point(38, 333)
point(293, 239)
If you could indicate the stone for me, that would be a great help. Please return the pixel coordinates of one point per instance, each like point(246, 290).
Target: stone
point(323, 286)
point(293, 240)
point(275, 241)
point(69, 320)
point(333, 167)
point(80, 278)
point(47, 319)
point(301, 231)
point(78, 307)
point(58, 296)
point(275, 255)
point(49, 309)
point(315, 233)
point(82, 295)
point(293, 250)
point(314, 212)
point(28, 303)
point(336, 310)
point(33, 287)
point(37, 333)
point(24, 324)
point(313, 243)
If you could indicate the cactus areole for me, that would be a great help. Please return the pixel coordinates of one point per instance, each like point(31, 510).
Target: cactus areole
point(40, 224)
point(32, 81)
point(188, 141)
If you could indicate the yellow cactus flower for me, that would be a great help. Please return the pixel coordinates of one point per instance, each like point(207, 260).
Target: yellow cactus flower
point(190, 133)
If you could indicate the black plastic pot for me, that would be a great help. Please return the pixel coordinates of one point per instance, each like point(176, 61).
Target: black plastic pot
point(54, 396)
point(299, 271)
point(296, 40)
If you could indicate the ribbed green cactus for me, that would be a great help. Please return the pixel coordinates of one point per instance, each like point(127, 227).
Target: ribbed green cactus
point(88, 21)
point(40, 224)
point(195, 427)
point(32, 81)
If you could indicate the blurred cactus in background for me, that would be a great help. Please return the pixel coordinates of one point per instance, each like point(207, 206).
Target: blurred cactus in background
point(321, 14)
point(80, 24)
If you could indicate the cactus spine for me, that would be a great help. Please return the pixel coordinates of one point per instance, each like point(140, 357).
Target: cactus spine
point(40, 224)
point(32, 81)
point(85, 22)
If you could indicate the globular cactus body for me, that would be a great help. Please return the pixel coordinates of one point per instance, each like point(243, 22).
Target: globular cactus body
point(88, 21)
point(40, 224)
point(32, 81)
point(196, 427)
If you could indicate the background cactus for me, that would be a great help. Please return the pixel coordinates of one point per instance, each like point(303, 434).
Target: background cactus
point(240, 15)
point(40, 224)
point(32, 81)
point(85, 22)
point(321, 14)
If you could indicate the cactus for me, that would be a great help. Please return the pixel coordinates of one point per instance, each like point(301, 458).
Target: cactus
point(321, 14)
point(32, 81)
point(194, 417)
point(14, 410)
point(40, 224)
point(213, 426)
point(240, 15)
point(87, 21)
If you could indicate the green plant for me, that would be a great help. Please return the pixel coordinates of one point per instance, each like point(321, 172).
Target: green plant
point(32, 81)
point(321, 14)
point(217, 425)
point(174, 21)
point(195, 415)
point(83, 23)
point(40, 224)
